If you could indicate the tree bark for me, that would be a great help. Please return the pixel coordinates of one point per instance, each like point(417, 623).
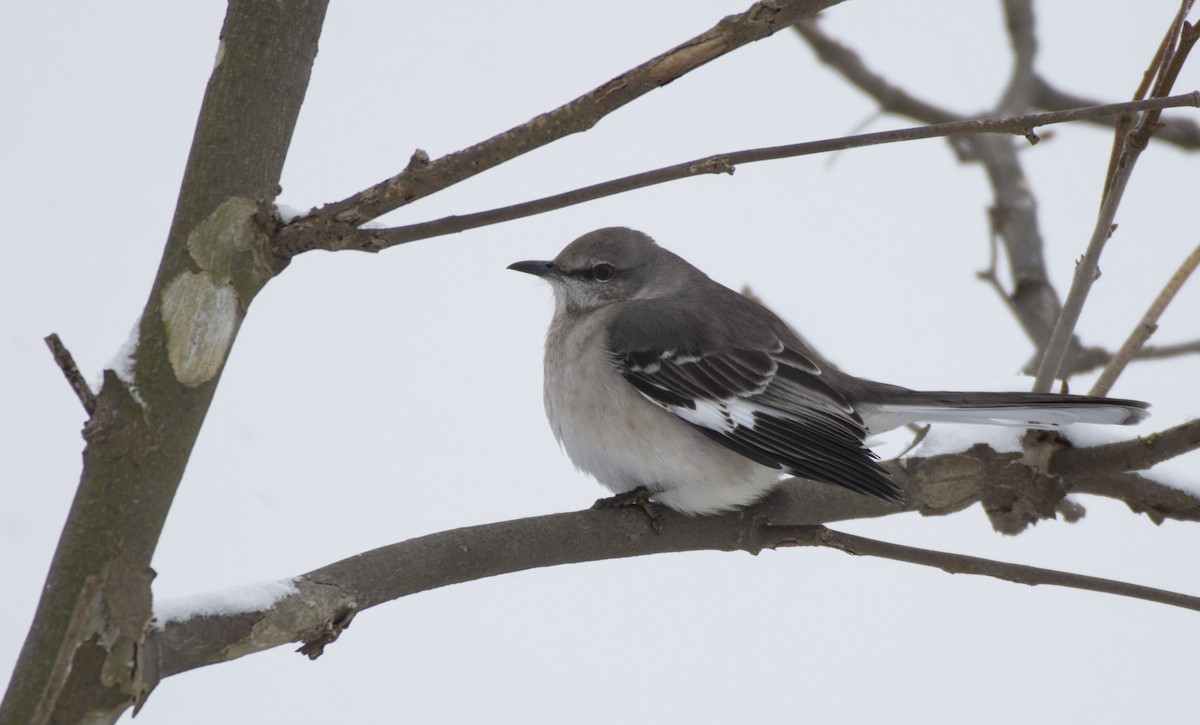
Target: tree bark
point(82, 657)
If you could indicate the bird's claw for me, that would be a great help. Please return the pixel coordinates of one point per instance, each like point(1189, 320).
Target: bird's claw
point(639, 497)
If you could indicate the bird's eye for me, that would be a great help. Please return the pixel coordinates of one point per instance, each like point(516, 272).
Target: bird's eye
point(603, 272)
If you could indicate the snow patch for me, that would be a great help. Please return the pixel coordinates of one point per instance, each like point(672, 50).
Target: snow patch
point(958, 437)
point(245, 598)
point(1178, 473)
point(289, 214)
point(122, 362)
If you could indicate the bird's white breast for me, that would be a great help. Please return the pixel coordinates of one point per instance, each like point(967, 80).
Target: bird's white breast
point(614, 434)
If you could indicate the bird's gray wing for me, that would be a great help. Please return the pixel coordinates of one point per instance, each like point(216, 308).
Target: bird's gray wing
point(757, 396)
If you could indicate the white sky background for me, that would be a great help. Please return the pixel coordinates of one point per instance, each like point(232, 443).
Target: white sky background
point(371, 399)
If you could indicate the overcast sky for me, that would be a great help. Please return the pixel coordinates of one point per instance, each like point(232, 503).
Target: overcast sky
point(372, 399)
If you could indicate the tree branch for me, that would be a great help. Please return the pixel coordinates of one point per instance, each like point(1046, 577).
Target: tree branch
point(1022, 36)
point(793, 515)
point(1142, 495)
point(1098, 357)
point(66, 363)
point(214, 262)
point(1013, 216)
point(326, 596)
point(890, 97)
point(1181, 132)
point(1146, 326)
point(961, 564)
point(1130, 141)
point(374, 240)
point(1135, 455)
point(1161, 352)
point(328, 227)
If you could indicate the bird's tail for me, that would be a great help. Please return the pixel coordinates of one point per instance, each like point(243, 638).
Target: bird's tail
point(1031, 410)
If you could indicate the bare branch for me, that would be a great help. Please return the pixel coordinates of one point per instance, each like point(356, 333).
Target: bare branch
point(1146, 326)
point(891, 98)
point(1160, 352)
point(328, 227)
point(329, 596)
point(1099, 357)
point(214, 262)
point(1022, 86)
point(1087, 271)
point(1013, 216)
point(1135, 455)
point(1128, 145)
point(66, 363)
point(1158, 501)
point(1181, 132)
point(374, 240)
point(962, 564)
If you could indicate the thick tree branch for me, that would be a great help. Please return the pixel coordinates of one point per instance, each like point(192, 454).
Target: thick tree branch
point(215, 261)
point(374, 240)
point(1022, 36)
point(327, 597)
point(1013, 217)
point(329, 227)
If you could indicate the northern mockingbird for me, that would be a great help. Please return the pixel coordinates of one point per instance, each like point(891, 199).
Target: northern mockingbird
point(665, 385)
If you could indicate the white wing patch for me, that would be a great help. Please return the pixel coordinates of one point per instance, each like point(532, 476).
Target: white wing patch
point(724, 416)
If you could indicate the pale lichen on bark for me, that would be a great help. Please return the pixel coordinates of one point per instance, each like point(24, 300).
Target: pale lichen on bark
point(202, 310)
point(200, 318)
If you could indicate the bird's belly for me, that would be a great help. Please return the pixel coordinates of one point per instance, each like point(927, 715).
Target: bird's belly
point(624, 441)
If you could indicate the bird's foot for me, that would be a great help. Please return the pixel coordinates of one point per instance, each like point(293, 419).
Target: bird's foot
point(639, 497)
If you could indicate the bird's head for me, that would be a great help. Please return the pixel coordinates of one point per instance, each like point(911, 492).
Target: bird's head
point(608, 265)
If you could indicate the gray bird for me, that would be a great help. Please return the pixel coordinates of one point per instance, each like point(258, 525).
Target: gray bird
point(665, 385)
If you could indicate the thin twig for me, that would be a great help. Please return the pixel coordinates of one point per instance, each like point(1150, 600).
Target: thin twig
point(1087, 271)
point(66, 363)
point(1146, 326)
point(1160, 352)
point(1154, 70)
point(1181, 132)
point(962, 564)
point(373, 240)
point(1098, 357)
point(919, 433)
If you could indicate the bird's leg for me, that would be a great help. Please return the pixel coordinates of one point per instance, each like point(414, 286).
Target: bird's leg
point(639, 497)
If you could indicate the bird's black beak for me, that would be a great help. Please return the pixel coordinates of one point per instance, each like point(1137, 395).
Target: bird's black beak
point(536, 267)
